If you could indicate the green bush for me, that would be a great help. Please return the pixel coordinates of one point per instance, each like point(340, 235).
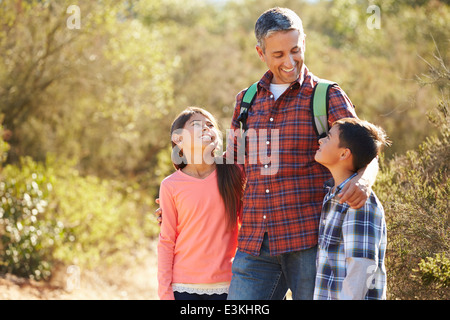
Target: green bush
point(50, 213)
point(27, 237)
point(415, 192)
point(104, 220)
point(435, 271)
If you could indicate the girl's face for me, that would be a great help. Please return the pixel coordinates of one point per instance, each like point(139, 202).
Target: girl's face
point(198, 135)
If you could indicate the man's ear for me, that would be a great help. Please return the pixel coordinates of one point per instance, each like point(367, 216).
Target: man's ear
point(260, 53)
point(304, 44)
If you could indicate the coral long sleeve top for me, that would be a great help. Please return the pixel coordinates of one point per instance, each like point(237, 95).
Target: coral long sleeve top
point(195, 243)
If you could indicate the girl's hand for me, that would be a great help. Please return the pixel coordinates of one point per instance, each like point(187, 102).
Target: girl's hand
point(158, 213)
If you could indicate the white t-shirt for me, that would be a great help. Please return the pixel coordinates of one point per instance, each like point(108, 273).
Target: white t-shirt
point(278, 89)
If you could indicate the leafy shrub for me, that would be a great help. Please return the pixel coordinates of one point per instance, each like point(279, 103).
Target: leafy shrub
point(26, 236)
point(50, 213)
point(435, 271)
point(415, 192)
point(104, 220)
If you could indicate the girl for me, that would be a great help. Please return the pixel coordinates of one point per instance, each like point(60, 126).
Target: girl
point(201, 202)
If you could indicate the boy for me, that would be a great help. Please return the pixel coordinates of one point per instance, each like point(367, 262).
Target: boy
point(352, 243)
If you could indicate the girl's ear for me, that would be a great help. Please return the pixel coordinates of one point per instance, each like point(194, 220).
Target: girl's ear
point(177, 139)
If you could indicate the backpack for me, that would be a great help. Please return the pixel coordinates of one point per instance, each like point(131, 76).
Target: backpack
point(319, 106)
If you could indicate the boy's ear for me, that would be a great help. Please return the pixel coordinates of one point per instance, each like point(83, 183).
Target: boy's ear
point(346, 154)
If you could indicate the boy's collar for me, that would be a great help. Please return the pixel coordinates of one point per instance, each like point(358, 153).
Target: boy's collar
point(329, 184)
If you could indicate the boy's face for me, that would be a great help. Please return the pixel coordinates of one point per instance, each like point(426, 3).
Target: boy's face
point(329, 152)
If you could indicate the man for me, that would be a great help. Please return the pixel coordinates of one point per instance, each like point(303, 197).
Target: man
point(278, 237)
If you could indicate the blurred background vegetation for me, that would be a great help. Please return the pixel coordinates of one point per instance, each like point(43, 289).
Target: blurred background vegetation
point(86, 115)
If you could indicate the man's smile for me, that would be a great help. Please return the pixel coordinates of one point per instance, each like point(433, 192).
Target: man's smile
point(288, 70)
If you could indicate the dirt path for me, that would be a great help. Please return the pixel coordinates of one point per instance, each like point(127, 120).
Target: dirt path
point(136, 282)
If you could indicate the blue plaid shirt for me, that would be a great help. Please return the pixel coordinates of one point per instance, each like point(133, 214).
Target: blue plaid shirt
point(348, 233)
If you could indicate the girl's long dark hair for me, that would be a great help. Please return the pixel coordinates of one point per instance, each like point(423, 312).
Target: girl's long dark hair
point(231, 180)
point(230, 177)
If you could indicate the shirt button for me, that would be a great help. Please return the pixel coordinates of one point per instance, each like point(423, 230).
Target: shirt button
point(266, 166)
point(271, 119)
point(267, 191)
point(267, 142)
point(271, 96)
point(264, 216)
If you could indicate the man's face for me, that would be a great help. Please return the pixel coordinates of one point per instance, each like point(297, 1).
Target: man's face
point(284, 55)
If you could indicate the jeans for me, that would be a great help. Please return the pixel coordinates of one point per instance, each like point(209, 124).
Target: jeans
point(266, 277)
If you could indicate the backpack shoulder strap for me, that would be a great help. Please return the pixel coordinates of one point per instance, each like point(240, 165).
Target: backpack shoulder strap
point(246, 103)
point(319, 106)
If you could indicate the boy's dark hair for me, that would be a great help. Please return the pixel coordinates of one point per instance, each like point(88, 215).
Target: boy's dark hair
point(365, 140)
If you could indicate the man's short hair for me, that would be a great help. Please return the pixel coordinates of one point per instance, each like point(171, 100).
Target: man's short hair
point(365, 140)
point(275, 20)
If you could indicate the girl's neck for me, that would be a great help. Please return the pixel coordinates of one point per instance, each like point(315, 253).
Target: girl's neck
point(199, 171)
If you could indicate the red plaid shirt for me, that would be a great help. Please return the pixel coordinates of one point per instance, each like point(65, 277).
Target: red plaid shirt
point(287, 202)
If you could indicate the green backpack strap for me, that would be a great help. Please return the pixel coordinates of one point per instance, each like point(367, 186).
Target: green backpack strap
point(319, 106)
point(246, 103)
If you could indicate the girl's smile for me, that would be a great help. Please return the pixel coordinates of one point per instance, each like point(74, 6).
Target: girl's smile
point(198, 139)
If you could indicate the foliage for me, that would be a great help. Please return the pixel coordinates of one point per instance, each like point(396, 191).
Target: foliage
point(435, 271)
point(415, 192)
point(378, 67)
point(87, 112)
point(49, 213)
point(26, 236)
point(92, 94)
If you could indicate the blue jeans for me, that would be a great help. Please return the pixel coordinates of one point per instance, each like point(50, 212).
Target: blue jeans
point(267, 277)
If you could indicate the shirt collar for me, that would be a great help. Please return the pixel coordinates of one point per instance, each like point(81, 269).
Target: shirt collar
point(329, 184)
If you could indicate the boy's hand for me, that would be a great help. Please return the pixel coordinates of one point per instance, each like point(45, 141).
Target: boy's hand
point(158, 213)
point(355, 192)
